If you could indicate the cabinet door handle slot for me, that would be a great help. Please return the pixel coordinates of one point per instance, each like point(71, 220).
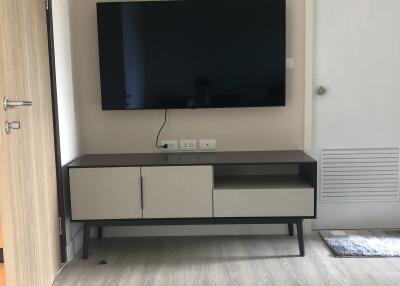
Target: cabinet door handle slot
point(141, 193)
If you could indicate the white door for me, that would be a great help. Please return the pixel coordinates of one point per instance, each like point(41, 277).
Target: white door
point(357, 58)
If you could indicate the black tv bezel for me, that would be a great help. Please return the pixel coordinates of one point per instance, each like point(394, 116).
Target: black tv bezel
point(98, 4)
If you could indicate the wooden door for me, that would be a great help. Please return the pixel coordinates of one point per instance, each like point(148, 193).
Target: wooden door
point(177, 192)
point(105, 193)
point(27, 158)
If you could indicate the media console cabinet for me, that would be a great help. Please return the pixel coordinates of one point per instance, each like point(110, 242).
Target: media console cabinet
point(272, 187)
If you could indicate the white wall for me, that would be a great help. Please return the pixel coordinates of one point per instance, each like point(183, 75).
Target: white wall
point(357, 56)
point(70, 139)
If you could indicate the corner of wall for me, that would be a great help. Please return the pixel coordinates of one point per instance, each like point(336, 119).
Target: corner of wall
point(308, 76)
point(68, 107)
point(75, 243)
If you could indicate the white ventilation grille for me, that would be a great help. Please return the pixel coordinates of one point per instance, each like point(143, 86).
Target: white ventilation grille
point(354, 175)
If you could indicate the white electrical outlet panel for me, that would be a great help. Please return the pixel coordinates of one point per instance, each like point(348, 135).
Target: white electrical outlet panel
point(172, 145)
point(208, 144)
point(188, 145)
point(289, 63)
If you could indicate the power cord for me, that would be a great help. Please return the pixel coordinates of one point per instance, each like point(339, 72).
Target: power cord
point(165, 146)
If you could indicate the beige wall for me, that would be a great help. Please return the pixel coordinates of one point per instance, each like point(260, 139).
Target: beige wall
point(274, 128)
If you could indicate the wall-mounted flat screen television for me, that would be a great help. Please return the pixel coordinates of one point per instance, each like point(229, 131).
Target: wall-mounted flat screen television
point(192, 54)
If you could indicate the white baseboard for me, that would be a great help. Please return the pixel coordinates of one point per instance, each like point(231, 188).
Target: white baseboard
point(75, 244)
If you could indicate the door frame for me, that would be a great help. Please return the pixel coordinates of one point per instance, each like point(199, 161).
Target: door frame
point(57, 145)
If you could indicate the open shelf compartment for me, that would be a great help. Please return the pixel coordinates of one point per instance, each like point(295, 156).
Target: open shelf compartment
point(260, 182)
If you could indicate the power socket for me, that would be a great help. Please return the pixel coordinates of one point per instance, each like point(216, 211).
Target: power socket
point(289, 63)
point(188, 145)
point(172, 145)
point(208, 144)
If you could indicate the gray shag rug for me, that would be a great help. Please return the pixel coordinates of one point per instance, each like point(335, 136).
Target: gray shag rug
point(363, 243)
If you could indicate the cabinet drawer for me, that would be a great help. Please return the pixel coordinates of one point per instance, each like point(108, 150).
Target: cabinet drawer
point(105, 193)
point(256, 201)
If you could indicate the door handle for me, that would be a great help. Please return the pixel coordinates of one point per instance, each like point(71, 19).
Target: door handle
point(10, 103)
point(321, 90)
point(11, 125)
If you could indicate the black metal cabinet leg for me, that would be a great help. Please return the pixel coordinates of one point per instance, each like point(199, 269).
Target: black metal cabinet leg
point(86, 240)
point(300, 237)
point(100, 232)
point(290, 227)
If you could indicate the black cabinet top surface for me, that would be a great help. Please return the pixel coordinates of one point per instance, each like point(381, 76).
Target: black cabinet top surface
point(189, 159)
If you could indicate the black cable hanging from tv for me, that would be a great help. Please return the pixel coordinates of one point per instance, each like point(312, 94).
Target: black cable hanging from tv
point(165, 146)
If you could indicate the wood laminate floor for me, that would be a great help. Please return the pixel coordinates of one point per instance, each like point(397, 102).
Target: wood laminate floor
point(242, 261)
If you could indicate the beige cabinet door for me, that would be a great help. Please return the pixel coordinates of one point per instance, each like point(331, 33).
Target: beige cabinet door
point(29, 211)
point(105, 193)
point(177, 192)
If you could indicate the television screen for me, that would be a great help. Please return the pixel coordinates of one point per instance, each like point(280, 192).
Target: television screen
point(192, 54)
